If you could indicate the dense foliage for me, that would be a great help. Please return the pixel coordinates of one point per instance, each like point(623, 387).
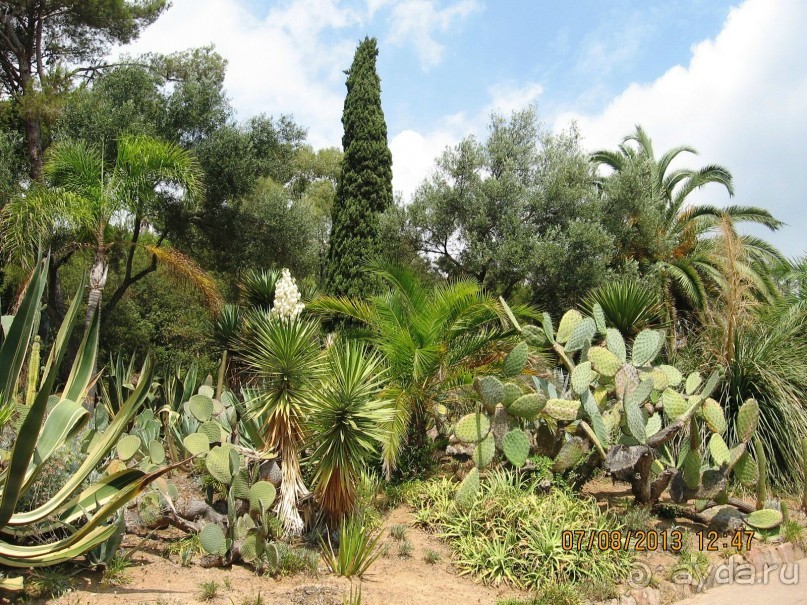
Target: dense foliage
point(365, 183)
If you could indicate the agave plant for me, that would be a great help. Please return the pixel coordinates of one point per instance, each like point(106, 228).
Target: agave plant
point(345, 421)
point(81, 519)
point(283, 357)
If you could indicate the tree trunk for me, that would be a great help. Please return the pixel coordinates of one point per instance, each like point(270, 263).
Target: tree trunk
point(98, 276)
point(33, 136)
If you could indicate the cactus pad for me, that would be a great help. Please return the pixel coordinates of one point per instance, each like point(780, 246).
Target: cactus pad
point(212, 430)
point(674, 376)
point(201, 407)
point(527, 406)
point(581, 335)
point(646, 347)
point(692, 469)
point(196, 443)
point(156, 452)
point(712, 413)
point(562, 409)
point(484, 451)
point(206, 390)
point(674, 404)
point(658, 377)
point(746, 470)
point(213, 540)
point(261, 496)
point(219, 464)
point(616, 344)
point(653, 425)
point(694, 380)
point(240, 485)
point(466, 493)
point(599, 318)
point(747, 419)
point(249, 548)
point(117, 465)
point(128, 446)
point(568, 323)
point(604, 361)
point(516, 447)
point(490, 389)
point(549, 330)
point(634, 417)
point(472, 428)
point(570, 454)
point(511, 392)
point(516, 360)
point(272, 557)
point(767, 518)
point(582, 377)
point(534, 336)
point(719, 450)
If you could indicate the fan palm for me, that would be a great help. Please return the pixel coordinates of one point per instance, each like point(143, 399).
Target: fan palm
point(87, 197)
point(431, 338)
point(679, 248)
point(346, 419)
point(283, 357)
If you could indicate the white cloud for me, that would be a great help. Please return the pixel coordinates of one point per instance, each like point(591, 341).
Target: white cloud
point(279, 63)
point(740, 101)
point(417, 21)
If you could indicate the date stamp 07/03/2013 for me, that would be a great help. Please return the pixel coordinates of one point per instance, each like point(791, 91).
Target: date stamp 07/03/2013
point(652, 540)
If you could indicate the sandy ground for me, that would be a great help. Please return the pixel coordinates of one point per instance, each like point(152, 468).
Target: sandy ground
point(789, 588)
point(392, 581)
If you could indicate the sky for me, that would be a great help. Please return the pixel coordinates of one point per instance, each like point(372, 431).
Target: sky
point(727, 78)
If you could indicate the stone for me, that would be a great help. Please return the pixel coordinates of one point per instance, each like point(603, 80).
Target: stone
point(786, 553)
point(646, 596)
point(724, 518)
point(756, 559)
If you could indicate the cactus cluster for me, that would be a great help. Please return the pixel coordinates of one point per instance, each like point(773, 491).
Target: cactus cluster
point(249, 511)
point(612, 406)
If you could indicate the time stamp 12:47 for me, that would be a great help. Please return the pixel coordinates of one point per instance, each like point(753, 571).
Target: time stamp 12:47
point(651, 540)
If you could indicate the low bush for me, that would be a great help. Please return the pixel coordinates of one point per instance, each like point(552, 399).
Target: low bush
point(510, 532)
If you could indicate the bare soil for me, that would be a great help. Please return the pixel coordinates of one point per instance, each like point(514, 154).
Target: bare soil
point(392, 580)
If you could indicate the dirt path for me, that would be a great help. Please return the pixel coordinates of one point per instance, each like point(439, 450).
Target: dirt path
point(393, 580)
point(788, 589)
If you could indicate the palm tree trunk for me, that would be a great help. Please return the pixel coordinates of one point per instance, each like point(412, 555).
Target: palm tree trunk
point(98, 276)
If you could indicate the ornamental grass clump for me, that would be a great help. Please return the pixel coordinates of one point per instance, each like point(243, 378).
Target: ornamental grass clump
point(514, 536)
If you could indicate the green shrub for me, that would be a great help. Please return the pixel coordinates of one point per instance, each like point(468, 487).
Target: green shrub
point(510, 533)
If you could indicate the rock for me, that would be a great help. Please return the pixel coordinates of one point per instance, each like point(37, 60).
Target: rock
point(756, 559)
point(724, 518)
point(646, 596)
point(786, 553)
point(460, 449)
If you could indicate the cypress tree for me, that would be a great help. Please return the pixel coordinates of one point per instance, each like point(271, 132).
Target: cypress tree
point(365, 186)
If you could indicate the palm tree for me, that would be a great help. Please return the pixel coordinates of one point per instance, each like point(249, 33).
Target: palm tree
point(431, 338)
point(283, 357)
point(346, 419)
point(86, 200)
point(679, 247)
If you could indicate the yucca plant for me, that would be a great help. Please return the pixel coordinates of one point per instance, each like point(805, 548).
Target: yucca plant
point(628, 305)
point(357, 549)
point(78, 523)
point(432, 338)
point(345, 421)
point(283, 358)
point(258, 289)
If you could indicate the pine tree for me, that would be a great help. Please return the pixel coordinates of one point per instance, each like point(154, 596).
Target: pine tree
point(365, 186)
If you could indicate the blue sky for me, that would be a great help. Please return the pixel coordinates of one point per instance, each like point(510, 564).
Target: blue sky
point(728, 78)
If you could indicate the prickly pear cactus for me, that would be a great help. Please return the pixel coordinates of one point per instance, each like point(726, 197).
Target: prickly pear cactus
point(616, 404)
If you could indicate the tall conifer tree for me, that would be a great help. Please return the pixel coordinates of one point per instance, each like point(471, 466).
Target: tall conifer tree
point(365, 186)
